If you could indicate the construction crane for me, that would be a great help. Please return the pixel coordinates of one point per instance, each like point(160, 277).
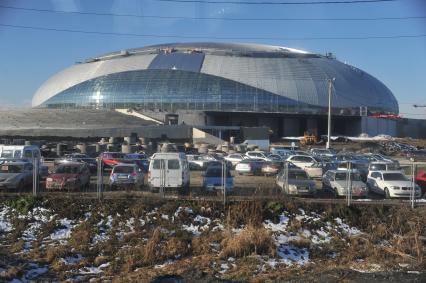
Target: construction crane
point(420, 106)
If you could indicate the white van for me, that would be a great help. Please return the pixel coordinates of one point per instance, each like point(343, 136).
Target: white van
point(24, 152)
point(168, 170)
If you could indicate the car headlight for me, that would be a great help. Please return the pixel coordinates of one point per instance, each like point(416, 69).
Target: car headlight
point(395, 187)
point(72, 180)
point(49, 179)
point(292, 187)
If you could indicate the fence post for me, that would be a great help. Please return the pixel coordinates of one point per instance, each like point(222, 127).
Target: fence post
point(35, 176)
point(413, 185)
point(286, 190)
point(224, 181)
point(162, 177)
point(100, 179)
point(349, 183)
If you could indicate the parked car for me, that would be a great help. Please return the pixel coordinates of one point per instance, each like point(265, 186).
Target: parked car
point(110, 159)
point(298, 182)
point(316, 170)
point(25, 153)
point(377, 157)
point(270, 168)
point(249, 167)
point(71, 176)
point(382, 166)
point(213, 180)
point(338, 182)
point(302, 161)
point(79, 157)
point(391, 184)
point(362, 168)
point(126, 175)
point(417, 155)
point(257, 155)
point(283, 152)
point(198, 162)
point(275, 157)
point(16, 175)
point(234, 158)
point(320, 152)
point(141, 160)
point(169, 170)
point(421, 181)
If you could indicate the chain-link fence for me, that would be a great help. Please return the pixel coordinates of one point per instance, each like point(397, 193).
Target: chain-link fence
point(97, 178)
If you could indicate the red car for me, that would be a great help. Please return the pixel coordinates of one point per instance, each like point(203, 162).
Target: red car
point(110, 159)
point(421, 180)
point(72, 175)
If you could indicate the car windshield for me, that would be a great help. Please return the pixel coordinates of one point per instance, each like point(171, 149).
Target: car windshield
point(298, 175)
point(67, 170)
point(216, 172)
point(341, 176)
point(394, 177)
point(123, 169)
point(11, 169)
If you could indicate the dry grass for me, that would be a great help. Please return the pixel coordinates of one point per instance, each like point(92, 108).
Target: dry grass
point(53, 253)
point(251, 240)
point(202, 244)
point(152, 249)
point(11, 273)
point(81, 237)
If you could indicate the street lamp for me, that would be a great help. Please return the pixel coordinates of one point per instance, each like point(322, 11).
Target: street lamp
point(330, 85)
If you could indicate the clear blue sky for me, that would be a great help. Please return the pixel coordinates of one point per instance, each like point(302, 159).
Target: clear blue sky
point(29, 57)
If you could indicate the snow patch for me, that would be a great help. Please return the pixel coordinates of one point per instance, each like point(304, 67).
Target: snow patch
point(5, 225)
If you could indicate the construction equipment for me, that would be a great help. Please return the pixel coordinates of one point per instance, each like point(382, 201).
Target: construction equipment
point(308, 139)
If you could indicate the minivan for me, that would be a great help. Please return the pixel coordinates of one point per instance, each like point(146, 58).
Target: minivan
point(169, 170)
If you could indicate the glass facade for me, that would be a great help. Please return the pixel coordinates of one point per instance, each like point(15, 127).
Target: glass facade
point(171, 90)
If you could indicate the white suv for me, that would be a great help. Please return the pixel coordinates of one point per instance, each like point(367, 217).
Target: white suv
point(392, 184)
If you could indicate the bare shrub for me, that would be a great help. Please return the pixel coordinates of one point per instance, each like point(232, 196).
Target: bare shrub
point(250, 240)
point(151, 251)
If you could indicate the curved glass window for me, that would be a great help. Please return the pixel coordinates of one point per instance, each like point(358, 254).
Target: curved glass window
point(170, 90)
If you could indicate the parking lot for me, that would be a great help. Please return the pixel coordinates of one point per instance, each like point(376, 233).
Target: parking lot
point(253, 174)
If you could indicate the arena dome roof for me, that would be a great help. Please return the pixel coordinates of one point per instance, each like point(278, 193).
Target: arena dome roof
point(218, 77)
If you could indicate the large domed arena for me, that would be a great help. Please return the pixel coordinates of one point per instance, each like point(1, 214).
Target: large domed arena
point(217, 77)
point(222, 84)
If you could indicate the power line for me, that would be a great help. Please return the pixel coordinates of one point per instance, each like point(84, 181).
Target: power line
point(210, 37)
point(276, 3)
point(210, 18)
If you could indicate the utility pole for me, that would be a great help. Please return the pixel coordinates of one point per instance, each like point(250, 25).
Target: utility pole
point(330, 86)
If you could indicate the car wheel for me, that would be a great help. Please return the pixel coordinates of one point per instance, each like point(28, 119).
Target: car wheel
point(387, 194)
